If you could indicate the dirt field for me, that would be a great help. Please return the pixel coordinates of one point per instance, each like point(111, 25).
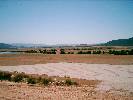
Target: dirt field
point(113, 76)
point(115, 72)
point(29, 59)
point(22, 91)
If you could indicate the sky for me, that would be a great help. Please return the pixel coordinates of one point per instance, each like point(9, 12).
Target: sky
point(65, 21)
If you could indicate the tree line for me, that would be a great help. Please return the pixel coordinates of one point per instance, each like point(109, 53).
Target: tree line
point(121, 52)
point(52, 51)
point(62, 51)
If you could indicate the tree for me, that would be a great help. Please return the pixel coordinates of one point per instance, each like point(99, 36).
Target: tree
point(62, 51)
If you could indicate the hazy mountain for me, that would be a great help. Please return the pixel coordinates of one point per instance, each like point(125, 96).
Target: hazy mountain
point(6, 46)
point(120, 42)
point(28, 45)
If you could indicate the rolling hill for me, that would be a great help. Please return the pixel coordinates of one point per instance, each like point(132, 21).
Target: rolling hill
point(120, 42)
point(5, 46)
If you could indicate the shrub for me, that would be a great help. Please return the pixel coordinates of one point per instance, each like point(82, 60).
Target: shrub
point(130, 52)
point(62, 51)
point(31, 51)
point(53, 52)
point(97, 52)
point(121, 52)
point(46, 81)
point(5, 76)
point(17, 78)
point(88, 52)
point(70, 82)
point(70, 52)
point(80, 52)
point(31, 80)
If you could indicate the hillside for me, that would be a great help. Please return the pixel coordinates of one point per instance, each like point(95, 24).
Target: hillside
point(5, 46)
point(120, 42)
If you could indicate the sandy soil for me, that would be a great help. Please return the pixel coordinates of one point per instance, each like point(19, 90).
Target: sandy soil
point(116, 73)
point(22, 91)
point(29, 59)
point(113, 76)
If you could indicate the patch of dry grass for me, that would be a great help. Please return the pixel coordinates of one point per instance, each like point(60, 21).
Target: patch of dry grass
point(29, 59)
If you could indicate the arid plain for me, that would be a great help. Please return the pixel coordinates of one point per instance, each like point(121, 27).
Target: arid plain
point(114, 73)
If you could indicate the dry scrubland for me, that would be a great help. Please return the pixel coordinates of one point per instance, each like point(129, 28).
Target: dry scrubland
point(119, 70)
point(22, 91)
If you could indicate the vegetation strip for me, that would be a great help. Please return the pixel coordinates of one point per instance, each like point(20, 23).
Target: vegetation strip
point(44, 79)
point(76, 51)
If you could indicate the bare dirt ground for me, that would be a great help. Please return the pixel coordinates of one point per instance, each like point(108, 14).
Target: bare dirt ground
point(22, 91)
point(113, 76)
point(29, 59)
point(115, 72)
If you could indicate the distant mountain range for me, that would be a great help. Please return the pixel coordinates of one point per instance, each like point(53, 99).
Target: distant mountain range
point(120, 42)
point(6, 46)
point(28, 45)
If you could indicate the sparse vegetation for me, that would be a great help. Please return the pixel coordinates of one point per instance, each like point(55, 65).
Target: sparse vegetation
point(18, 77)
point(69, 82)
point(97, 52)
point(62, 51)
point(22, 77)
point(84, 52)
point(31, 51)
point(46, 81)
point(121, 52)
point(31, 80)
point(5, 75)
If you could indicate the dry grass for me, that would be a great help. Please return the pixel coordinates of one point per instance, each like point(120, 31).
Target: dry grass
point(26, 59)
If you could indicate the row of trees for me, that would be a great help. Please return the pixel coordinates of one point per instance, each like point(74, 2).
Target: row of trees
point(62, 51)
point(52, 51)
point(81, 52)
point(115, 52)
point(89, 52)
point(121, 52)
point(82, 48)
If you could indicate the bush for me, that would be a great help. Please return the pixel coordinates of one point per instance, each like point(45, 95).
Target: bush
point(121, 52)
point(5, 76)
point(97, 52)
point(80, 52)
point(46, 81)
point(31, 51)
point(70, 52)
point(130, 52)
point(18, 78)
point(31, 80)
point(70, 82)
point(86, 52)
point(62, 51)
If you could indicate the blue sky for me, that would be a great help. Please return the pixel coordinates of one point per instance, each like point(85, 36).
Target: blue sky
point(65, 21)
